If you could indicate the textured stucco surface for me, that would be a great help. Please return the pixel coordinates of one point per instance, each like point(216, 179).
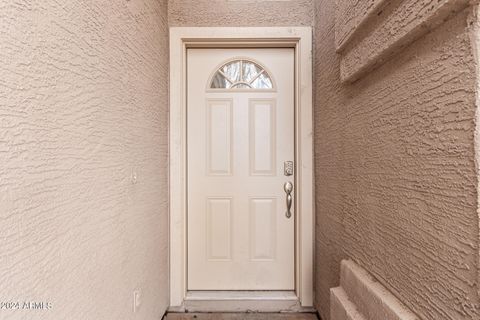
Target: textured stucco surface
point(396, 186)
point(247, 13)
point(395, 25)
point(350, 15)
point(83, 153)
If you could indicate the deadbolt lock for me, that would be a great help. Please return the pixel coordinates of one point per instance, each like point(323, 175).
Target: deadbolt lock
point(288, 168)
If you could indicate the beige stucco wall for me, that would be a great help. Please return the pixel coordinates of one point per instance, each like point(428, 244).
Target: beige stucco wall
point(249, 13)
point(83, 154)
point(396, 186)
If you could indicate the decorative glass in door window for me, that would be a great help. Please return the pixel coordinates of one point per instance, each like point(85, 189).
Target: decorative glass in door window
point(241, 74)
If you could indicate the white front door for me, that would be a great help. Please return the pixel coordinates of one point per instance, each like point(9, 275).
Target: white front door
point(240, 114)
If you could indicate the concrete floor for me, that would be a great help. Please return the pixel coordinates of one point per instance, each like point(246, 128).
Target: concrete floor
point(241, 316)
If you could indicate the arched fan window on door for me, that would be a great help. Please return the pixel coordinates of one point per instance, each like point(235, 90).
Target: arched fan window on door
point(241, 74)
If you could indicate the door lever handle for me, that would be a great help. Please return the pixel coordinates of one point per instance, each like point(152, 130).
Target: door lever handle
point(288, 187)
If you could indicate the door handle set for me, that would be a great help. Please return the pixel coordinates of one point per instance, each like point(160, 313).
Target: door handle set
point(288, 187)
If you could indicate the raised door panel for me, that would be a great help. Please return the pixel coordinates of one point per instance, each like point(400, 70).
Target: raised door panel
point(262, 132)
point(219, 139)
point(219, 228)
point(263, 229)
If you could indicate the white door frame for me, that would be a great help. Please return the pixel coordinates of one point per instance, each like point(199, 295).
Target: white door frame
point(299, 38)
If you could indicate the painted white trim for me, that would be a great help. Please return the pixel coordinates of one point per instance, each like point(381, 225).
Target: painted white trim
point(299, 38)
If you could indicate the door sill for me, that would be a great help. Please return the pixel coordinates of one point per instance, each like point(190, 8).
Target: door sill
point(241, 301)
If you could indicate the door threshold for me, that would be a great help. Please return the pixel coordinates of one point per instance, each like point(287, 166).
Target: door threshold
point(241, 295)
point(241, 301)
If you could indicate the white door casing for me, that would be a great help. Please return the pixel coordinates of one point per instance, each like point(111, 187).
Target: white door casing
point(239, 237)
point(181, 39)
